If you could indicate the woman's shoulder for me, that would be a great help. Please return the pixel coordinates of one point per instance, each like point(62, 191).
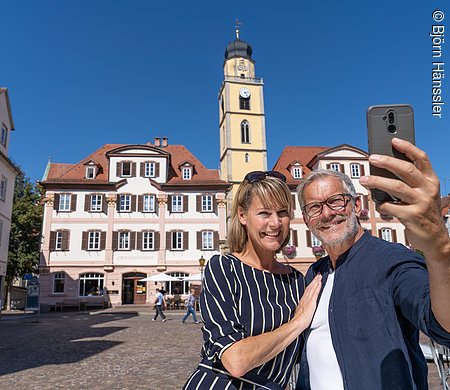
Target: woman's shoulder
point(223, 261)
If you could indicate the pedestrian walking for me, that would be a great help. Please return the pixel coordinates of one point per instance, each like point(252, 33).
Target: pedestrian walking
point(190, 308)
point(160, 305)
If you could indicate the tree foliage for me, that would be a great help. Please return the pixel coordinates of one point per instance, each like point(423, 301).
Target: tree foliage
point(26, 223)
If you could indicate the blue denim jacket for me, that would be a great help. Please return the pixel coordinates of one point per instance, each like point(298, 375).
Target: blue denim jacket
point(380, 301)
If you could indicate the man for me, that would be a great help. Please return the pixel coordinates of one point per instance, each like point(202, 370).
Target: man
point(160, 304)
point(376, 295)
point(190, 307)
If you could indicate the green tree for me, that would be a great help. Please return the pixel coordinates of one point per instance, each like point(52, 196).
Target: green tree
point(26, 223)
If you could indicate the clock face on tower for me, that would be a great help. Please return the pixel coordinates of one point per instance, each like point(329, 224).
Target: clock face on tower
point(244, 92)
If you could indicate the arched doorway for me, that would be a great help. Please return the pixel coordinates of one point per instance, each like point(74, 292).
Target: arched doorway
point(133, 291)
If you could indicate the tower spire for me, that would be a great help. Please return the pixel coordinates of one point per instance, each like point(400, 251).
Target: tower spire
point(238, 25)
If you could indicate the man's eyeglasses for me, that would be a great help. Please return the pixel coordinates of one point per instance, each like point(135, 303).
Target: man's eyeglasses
point(255, 176)
point(335, 202)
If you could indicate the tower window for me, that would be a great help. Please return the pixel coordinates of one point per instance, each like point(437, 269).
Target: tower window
point(246, 158)
point(245, 132)
point(244, 103)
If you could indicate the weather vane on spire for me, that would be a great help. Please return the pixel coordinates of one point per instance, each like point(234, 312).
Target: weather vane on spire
point(238, 26)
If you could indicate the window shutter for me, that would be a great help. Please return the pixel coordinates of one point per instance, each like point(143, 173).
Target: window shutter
point(214, 200)
point(308, 238)
point(185, 241)
point(156, 169)
point(65, 240)
point(102, 241)
point(133, 169)
point(52, 241)
point(104, 205)
point(142, 169)
point(168, 240)
point(156, 206)
point(118, 169)
point(294, 237)
point(140, 203)
point(366, 202)
point(139, 240)
point(379, 233)
point(56, 202)
point(133, 241)
point(361, 169)
point(198, 203)
point(369, 230)
point(169, 203)
point(216, 240)
point(115, 240)
point(328, 166)
point(185, 204)
point(199, 240)
point(118, 202)
point(73, 202)
point(157, 238)
point(394, 235)
point(133, 203)
point(87, 202)
point(294, 203)
point(341, 168)
point(84, 241)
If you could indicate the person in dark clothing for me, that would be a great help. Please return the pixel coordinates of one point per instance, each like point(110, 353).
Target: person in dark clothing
point(376, 295)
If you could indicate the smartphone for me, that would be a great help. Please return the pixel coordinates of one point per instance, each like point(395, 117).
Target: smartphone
point(384, 123)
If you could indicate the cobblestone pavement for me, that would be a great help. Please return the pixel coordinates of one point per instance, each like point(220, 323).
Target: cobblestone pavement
point(119, 348)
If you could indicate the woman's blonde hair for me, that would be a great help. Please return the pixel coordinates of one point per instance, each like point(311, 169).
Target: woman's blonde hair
point(271, 191)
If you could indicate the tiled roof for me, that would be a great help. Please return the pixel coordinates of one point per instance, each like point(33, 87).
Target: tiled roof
point(301, 154)
point(64, 173)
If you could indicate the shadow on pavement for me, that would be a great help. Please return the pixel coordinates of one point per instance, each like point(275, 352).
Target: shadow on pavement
point(56, 339)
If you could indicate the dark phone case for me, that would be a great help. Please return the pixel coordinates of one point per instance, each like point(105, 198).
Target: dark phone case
point(380, 139)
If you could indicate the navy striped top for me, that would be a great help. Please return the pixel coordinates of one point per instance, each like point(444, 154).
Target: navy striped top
point(238, 301)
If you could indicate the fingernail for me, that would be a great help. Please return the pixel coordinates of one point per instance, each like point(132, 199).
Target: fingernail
point(363, 179)
point(374, 157)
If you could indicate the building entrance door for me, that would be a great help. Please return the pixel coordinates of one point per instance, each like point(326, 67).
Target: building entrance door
point(133, 291)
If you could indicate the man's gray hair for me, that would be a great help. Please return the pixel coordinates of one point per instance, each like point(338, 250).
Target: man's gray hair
point(320, 174)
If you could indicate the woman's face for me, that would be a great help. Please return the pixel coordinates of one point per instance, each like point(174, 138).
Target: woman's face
point(267, 227)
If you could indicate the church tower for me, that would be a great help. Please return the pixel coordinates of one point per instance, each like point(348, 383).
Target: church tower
point(241, 119)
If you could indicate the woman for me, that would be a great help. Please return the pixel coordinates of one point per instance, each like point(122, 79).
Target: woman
point(250, 301)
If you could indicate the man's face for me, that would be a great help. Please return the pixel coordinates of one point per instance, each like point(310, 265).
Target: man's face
point(331, 227)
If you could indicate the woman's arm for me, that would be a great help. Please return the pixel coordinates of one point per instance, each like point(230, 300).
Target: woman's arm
point(253, 351)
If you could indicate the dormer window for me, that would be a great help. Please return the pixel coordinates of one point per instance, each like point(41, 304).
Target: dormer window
point(90, 172)
point(296, 172)
point(186, 173)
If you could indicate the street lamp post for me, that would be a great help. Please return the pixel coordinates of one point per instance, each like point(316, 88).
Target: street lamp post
point(201, 262)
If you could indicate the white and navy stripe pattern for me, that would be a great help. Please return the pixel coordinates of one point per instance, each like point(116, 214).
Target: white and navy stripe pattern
point(238, 301)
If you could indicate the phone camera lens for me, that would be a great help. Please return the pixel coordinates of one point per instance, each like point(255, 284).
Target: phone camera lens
point(392, 129)
point(391, 117)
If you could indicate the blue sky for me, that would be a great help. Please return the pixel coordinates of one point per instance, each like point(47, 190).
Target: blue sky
point(88, 72)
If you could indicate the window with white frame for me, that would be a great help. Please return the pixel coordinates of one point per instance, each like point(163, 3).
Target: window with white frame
point(64, 202)
point(315, 241)
point(386, 234)
point(91, 284)
point(355, 170)
point(126, 168)
point(207, 203)
point(3, 184)
point(335, 167)
point(58, 241)
point(148, 240)
point(177, 240)
point(207, 240)
point(150, 169)
point(124, 241)
point(58, 282)
point(125, 202)
point(93, 240)
point(297, 172)
point(187, 173)
point(148, 203)
point(96, 203)
point(4, 135)
point(90, 172)
point(177, 204)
